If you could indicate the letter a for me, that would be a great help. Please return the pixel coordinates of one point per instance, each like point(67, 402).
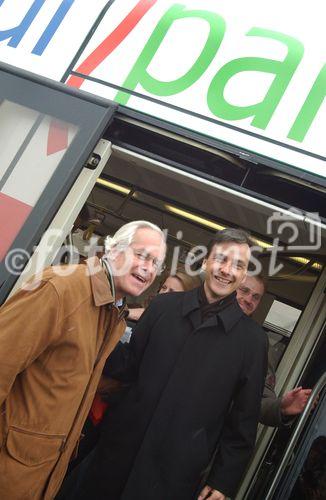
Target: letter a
point(283, 70)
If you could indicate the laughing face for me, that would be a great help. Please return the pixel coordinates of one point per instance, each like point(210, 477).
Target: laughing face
point(249, 294)
point(226, 268)
point(135, 269)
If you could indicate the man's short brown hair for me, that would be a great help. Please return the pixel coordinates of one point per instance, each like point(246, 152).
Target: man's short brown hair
point(230, 234)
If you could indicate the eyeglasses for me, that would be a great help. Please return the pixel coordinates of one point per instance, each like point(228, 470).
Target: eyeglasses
point(144, 256)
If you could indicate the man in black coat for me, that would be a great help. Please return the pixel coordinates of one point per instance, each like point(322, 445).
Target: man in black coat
point(275, 411)
point(196, 364)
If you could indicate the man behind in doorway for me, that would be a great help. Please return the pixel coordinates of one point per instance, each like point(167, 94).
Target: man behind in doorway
point(197, 367)
point(275, 411)
point(55, 336)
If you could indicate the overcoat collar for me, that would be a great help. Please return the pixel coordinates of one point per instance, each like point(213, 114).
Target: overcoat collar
point(228, 316)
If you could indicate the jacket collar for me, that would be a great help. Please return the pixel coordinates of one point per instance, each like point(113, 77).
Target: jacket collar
point(231, 315)
point(228, 316)
point(101, 289)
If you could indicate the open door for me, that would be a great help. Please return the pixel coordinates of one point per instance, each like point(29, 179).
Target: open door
point(47, 133)
point(301, 472)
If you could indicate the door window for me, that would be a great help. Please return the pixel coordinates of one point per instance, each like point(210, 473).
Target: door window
point(47, 132)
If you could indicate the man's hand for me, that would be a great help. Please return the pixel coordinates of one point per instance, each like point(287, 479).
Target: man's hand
point(210, 494)
point(294, 402)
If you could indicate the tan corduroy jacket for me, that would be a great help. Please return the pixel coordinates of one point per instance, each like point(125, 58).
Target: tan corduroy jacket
point(54, 340)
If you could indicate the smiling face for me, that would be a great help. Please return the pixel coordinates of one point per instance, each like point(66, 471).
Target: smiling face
point(249, 294)
point(135, 268)
point(226, 267)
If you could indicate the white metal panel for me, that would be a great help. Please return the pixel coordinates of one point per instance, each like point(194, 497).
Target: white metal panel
point(63, 221)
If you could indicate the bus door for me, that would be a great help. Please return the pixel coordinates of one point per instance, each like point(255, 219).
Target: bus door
point(294, 466)
point(47, 135)
point(301, 473)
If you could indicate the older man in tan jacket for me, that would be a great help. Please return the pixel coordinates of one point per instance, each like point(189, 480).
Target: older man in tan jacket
point(54, 340)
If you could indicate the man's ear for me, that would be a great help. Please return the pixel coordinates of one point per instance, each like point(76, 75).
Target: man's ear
point(112, 255)
point(203, 266)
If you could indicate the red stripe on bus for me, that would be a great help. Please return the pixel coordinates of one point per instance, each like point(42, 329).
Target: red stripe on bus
point(112, 41)
point(13, 214)
point(57, 137)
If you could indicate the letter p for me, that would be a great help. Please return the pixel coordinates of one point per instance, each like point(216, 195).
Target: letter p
point(139, 73)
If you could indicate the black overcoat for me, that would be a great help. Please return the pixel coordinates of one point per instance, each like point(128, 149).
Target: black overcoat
point(195, 387)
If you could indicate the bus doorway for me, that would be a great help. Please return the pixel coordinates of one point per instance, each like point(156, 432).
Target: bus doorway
point(191, 204)
point(191, 208)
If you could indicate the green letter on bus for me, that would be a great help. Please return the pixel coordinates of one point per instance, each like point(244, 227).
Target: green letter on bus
point(139, 73)
point(283, 70)
point(309, 108)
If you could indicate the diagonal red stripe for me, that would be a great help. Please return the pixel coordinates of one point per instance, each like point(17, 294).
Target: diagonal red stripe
point(58, 132)
point(111, 42)
point(57, 137)
point(13, 214)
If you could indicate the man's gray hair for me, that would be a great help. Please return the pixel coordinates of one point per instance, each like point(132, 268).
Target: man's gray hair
point(125, 235)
